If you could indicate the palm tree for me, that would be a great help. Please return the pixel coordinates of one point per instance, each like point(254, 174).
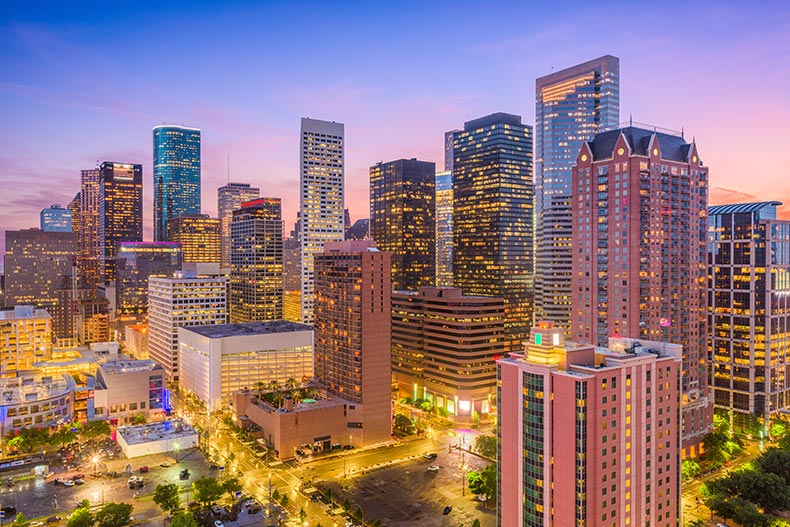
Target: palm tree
point(274, 385)
point(290, 384)
point(261, 387)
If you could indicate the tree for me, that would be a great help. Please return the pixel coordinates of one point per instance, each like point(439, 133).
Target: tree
point(93, 429)
point(64, 436)
point(476, 523)
point(207, 490)
point(139, 419)
point(167, 497)
point(81, 517)
point(489, 482)
point(290, 383)
point(690, 469)
point(20, 520)
point(183, 519)
point(486, 445)
point(114, 515)
point(402, 422)
point(720, 448)
point(475, 481)
point(775, 461)
point(284, 500)
point(231, 485)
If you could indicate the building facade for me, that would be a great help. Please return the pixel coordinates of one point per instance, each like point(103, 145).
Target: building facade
point(176, 175)
point(127, 388)
point(639, 223)
point(76, 213)
point(136, 262)
point(256, 271)
point(229, 198)
point(321, 173)
point(444, 229)
point(217, 361)
point(25, 339)
point(444, 348)
point(589, 436)
point(571, 106)
point(89, 256)
point(35, 264)
point(199, 236)
point(493, 216)
point(181, 301)
point(56, 219)
point(352, 334)
point(93, 320)
point(749, 312)
point(35, 401)
point(121, 212)
point(403, 219)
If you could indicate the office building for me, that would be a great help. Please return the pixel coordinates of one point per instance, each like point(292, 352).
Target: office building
point(256, 271)
point(448, 150)
point(136, 262)
point(292, 267)
point(56, 219)
point(93, 320)
point(35, 263)
point(321, 172)
point(217, 361)
point(589, 436)
point(360, 230)
point(127, 388)
point(25, 338)
point(444, 229)
point(444, 346)
point(181, 301)
point(229, 198)
point(64, 311)
point(640, 238)
point(749, 312)
point(403, 219)
point(493, 216)
point(89, 255)
point(136, 340)
point(352, 334)
point(176, 175)
point(120, 212)
point(32, 400)
point(199, 237)
point(76, 213)
point(571, 106)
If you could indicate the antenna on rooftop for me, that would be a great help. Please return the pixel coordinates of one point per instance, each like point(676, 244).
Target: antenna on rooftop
point(683, 131)
point(630, 119)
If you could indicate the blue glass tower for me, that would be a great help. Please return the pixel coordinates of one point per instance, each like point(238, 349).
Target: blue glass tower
point(56, 219)
point(176, 175)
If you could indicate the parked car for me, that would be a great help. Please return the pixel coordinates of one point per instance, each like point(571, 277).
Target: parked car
point(166, 464)
point(218, 523)
point(78, 481)
point(433, 468)
point(348, 447)
point(447, 510)
point(53, 519)
point(48, 475)
point(143, 469)
point(68, 483)
point(136, 482)
point(216, 509)
point(430, 455)
point(77, 476)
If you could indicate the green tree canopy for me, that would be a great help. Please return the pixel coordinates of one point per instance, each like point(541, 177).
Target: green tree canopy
point(114, 515)
point(486, 445)
point(183, 519)
point(775, 461)
point(93, 429)
point(207, 490)
point(720, 448)
point(167, 497)
point(81, 517)
point(402, 422)
point(689, 469)
point(231, 485)
point(20, 520)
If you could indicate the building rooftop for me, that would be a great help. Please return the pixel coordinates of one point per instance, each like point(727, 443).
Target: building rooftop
point(33, 388)
point(20, 312)
point(117, 367)
point(217, 331)
point(742, 207)
point(673, 147)
point(172, 429)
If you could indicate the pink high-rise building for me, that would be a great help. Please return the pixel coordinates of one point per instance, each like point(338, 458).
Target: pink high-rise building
point(640, 253)
point(589, 436)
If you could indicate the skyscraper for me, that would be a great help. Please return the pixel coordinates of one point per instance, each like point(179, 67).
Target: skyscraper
point(74, 207)
point(444, 345)
point(199, 236)
point(229, 198)
point(448, 150)
point(589, 436)
point(25, 339)
point(120, 212)
point(89, 256)
point(136, 263)
point(182, 300)
point(492, 216)
point(571, 106)
point(444, 229)
point(56, 219)
point(321, 172)
point(352, 334)
point(35, 264)
point(176, 175)
point(256, 270)
point(640, 239)
point(749, 312)
point(403, 219)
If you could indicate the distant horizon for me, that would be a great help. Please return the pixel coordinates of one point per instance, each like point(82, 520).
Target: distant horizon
point(75, 93)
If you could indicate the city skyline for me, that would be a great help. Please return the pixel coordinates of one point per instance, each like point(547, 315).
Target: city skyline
point(45, 91)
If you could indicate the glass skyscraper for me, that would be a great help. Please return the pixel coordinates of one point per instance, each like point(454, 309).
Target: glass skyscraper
point(56, 219)
point(229, 198)
point(493, 196)
point(444, 229)
point(176, 175)
point(749, 312)
point(120, 212)
point(571, 106)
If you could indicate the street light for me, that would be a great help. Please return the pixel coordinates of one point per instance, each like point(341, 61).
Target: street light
point(95, 465)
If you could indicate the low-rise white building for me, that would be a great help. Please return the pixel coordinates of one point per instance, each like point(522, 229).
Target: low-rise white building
point(127, 388)
point(217, 361)
point(156, 438)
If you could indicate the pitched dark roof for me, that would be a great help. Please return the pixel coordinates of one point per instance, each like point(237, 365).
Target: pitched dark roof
point(741, 207)
point(673, 147)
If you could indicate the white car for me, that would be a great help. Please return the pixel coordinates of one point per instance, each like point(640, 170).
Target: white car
point(433, 468)
point(218, 523)
point(67, 483)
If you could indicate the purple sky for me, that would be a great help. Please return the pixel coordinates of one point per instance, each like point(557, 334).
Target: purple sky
point(83, 84)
